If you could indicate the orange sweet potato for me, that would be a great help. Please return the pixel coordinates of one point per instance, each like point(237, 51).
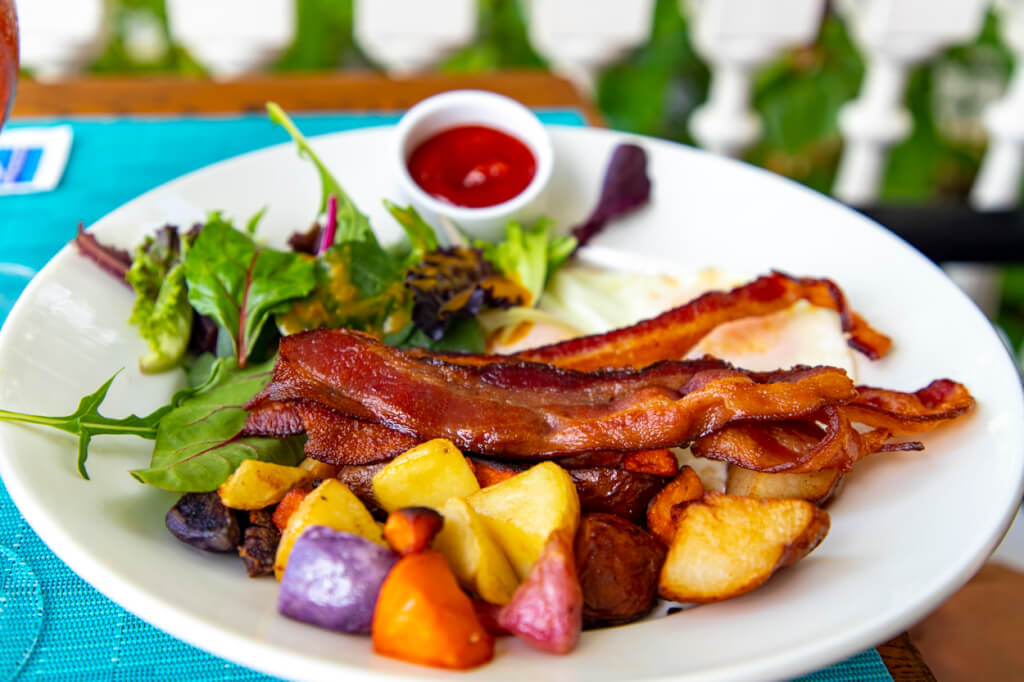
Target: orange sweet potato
point(661, 462)
point(683, 488)
point(288, 504)
point(422, 616)
point(411, 529)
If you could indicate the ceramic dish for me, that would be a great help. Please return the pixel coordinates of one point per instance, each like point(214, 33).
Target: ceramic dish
point(908, 530)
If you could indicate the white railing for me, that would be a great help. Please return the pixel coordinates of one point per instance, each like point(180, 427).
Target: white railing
point(581, 37)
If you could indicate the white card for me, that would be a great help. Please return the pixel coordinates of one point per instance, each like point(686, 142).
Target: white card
point(33, 159)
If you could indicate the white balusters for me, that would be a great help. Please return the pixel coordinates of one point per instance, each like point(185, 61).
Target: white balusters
point(232, 37)
point(412, 35)
point(735, 36)
point(581, 37)
point(999, 179)
point(893, 35)
point(59, 38)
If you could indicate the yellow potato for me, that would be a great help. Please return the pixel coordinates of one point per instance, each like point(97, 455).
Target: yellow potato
point(522, 511)
point(319, 469)
point(817, 486)
point(425, 476)
point(725, 546)
point(333, 505)
point(475, 558)
point(255, 484)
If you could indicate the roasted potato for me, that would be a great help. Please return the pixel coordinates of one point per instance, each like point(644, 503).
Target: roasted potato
point(256, 484)
point(726, 546)
point(817, 487)
point(661, 462)
point(475, 558)
point(424, 476)
point(546, 610)
point(319, 469)
point(616, 491)
point(333, 505)
point(618, 565)
point(686, 486)
point(359, 479)
point(523, 511)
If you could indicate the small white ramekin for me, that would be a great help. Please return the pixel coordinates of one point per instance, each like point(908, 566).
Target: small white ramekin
point(474, 107)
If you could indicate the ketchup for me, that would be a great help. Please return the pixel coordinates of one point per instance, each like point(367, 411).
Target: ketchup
point(472, 166)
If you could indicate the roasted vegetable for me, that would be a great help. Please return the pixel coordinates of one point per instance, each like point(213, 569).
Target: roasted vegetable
point(259, 547)
point(333, 505)
point(726, 546)
point(422, 616)
point(547, 609)
point(256, 484)
point(475, 558)
point(683, 488)
point(817, 486)
point(655, 462)
point(201, 520)
point(287, 506)
point(333, 579)
point(359, 479)
point(411, 529)
point(616, 491)
point(523, 511)
point(618, 565)
point(427, 475)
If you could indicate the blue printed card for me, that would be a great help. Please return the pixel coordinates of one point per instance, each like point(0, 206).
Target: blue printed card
point(33, 159)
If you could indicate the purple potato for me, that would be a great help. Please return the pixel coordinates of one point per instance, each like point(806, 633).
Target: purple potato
point(201, 520)
point(333, 578)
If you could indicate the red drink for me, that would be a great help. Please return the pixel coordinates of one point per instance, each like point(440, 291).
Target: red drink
point(8, 56)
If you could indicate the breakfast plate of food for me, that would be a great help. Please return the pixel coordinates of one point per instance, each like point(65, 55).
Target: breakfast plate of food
point(639, 412)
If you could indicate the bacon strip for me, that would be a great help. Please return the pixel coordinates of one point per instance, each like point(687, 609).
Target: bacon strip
point(797, 446)
point(529, 410)
point(338, 439)
point(938, 402)
point(272, 419)
point(674, 333)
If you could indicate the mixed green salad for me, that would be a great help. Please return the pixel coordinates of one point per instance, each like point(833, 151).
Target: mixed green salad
point(214, 299)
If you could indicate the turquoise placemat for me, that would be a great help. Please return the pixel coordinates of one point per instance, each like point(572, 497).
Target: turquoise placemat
point(53, 625)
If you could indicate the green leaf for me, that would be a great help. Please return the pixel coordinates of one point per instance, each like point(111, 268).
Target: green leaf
point(529, 257)
point(86, 421)
point(352, 224)
point(422, 237)
point(240, 284)
point(197, 444)
point(161, 310)
point(254, 221)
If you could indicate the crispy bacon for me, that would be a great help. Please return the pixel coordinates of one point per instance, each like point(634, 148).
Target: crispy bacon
point(272, 419)
point(531, 410)
point(923, 410)
point(337, 439)
point(797, 446)
point(672, 334)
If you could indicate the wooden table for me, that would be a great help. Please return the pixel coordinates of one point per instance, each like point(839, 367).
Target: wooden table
point(335, 91)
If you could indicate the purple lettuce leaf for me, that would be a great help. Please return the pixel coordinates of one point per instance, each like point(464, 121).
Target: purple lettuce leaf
point(626, 187)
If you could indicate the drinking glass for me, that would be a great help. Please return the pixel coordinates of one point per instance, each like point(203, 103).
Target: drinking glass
point(8, 56)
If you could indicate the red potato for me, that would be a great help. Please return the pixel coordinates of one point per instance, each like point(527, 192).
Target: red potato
point(547, 609)
point(618, 564)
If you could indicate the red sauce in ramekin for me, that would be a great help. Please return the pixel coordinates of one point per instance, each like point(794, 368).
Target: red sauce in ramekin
point(472, 166)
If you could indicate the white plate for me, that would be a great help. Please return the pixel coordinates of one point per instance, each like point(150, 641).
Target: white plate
point(909, 529)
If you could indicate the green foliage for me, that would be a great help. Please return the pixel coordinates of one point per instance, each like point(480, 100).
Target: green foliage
point(197, 444)
point(161, 310)
point(240, 284)
point(501, 41)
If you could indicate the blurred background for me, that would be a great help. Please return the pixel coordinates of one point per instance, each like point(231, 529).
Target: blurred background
point(648, 66)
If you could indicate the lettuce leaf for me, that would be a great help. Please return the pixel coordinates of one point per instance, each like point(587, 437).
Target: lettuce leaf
point(529, 256)
point(161, 310)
